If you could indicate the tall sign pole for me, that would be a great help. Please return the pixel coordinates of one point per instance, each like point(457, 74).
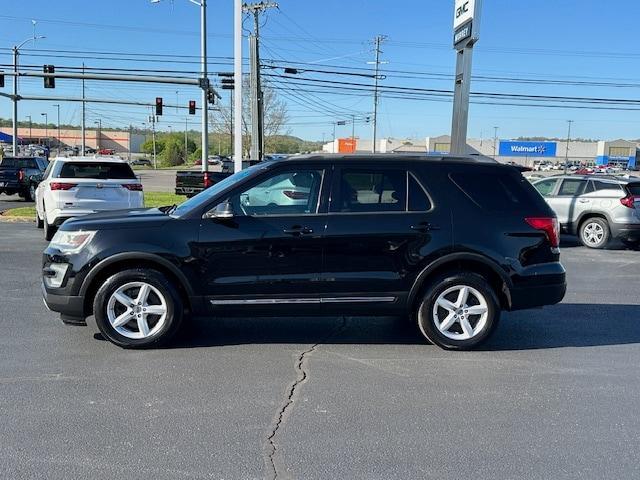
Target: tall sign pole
point(466, 32)
point(237, 93)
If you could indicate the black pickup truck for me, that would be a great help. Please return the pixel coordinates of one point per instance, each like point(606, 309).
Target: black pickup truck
point(21, 175)
point(192, 182)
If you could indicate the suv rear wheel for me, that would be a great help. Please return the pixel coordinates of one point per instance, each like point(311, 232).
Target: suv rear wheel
point(594, 233)
point(138, 308)
point(459, 311)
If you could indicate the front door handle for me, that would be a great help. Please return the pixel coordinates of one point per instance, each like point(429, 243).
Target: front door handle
point(584, 200)
point(424, 227)
point(298, 231)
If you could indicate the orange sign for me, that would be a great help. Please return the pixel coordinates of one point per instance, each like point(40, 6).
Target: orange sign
point(347, 145)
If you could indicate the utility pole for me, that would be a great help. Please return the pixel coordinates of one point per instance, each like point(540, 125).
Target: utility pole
point(58, 118)
point(46, 130)
point(30, 134)
point(98, 134)
point(353, 132)
point(186, 140)
point(152, 120)
point(495, 142)
point(378, 40)
point(205, 92)
point(130, 134)
point(84, 118)
point(237, 76)
point(257, 101)
point(566, 156)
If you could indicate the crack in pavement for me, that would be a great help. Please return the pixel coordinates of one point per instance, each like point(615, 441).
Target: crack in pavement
point(301, 377)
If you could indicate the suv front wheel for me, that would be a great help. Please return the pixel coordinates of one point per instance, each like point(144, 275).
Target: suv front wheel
point(138, 309)
point(458, 311)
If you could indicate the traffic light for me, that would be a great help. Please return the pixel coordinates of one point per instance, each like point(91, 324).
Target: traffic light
point(49, 82)
point(158, 105)
point(211, 96)
point(192, 107)
point(1, 79)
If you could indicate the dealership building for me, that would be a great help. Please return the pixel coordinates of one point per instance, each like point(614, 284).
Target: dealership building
point(616, 152)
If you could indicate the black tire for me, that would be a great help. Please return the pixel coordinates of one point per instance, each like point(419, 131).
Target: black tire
point(49, 230)
point(39, 221)
point(174, 308)
point(30, 194)
point(594, 226)
point(426, 317)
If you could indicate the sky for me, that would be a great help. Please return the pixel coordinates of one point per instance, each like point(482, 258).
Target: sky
point(549, 43)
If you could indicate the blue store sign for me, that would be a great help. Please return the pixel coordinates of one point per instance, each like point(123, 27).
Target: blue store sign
point(528, 149)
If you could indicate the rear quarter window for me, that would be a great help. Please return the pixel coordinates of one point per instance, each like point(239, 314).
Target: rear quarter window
point(633, 189)
point(96, 170)
point(496, 191)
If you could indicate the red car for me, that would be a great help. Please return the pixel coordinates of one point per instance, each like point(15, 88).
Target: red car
point(106, 151)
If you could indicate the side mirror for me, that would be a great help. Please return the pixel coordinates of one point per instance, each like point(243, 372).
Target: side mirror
point(222, 211)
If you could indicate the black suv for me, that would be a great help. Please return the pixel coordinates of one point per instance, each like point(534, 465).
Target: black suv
point(448, 242)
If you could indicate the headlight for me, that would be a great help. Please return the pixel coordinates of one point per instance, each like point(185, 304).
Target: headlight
point(71, 242)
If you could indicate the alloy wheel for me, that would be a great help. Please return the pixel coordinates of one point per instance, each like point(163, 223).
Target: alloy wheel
point(593, 234)
point(460, 312)
point(137, 310)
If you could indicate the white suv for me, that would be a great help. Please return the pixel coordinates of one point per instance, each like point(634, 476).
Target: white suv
point(77, 186)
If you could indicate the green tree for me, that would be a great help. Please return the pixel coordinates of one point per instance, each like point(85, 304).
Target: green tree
point(172, 153)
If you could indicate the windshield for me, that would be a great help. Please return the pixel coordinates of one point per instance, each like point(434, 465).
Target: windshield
point(205, 196)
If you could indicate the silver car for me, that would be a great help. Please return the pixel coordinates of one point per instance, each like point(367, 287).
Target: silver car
point(595, 208)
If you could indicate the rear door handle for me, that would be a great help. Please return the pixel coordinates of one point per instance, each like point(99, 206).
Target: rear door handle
point(584, 200)
point(298, 231)
point(424, 227)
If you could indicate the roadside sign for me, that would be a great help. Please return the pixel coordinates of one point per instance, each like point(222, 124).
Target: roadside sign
point(466, 23)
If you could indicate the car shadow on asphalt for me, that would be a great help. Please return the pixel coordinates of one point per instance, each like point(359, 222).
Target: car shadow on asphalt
point(568, 241)
point(559, 326)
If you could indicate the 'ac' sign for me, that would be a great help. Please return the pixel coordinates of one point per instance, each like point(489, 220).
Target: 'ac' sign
point(464, 12)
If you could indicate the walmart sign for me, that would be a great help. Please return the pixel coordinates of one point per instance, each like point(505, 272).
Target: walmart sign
point(527, 149)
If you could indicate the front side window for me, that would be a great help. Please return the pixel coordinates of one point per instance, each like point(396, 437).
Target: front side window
point(366, 191)
point(293, 192)
point(572, 187)
point(545, 187)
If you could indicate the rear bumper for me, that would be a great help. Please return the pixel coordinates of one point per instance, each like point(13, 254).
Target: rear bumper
point(538, 286)
point(626, 231)
point(188, 190)
point(64, 304)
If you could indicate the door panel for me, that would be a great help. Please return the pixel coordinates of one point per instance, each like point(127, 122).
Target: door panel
point(270, 252)
point(379, 254)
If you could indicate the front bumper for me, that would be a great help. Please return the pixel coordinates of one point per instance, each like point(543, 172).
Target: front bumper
point(64, 304)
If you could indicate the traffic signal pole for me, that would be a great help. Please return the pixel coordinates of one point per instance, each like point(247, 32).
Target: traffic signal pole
point(205, 91)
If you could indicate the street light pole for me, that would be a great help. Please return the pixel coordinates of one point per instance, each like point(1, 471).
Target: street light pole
point(16, 50)
point(46, 129)
point(98, 134)
point(495, 141)
point(30, 135)
point(58, 118)
point(237, 73)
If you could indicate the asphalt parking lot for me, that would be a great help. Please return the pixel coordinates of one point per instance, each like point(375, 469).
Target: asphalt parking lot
point(555, 394)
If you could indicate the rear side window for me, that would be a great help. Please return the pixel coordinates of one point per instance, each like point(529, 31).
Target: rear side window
point(572, 187)
point(599, 185)
point(634, 189)
point(364, 191)
point(96, 170)
point(495, 192)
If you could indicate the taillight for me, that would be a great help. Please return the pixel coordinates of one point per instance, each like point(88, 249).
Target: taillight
point(549, 225)
point(294, 195)
point(207, 181)
point(20, 174)
point(133, 187)
point(62, 186)
point(629, 200)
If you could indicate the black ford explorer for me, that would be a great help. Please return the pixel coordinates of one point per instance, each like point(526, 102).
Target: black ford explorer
point(448, 242)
